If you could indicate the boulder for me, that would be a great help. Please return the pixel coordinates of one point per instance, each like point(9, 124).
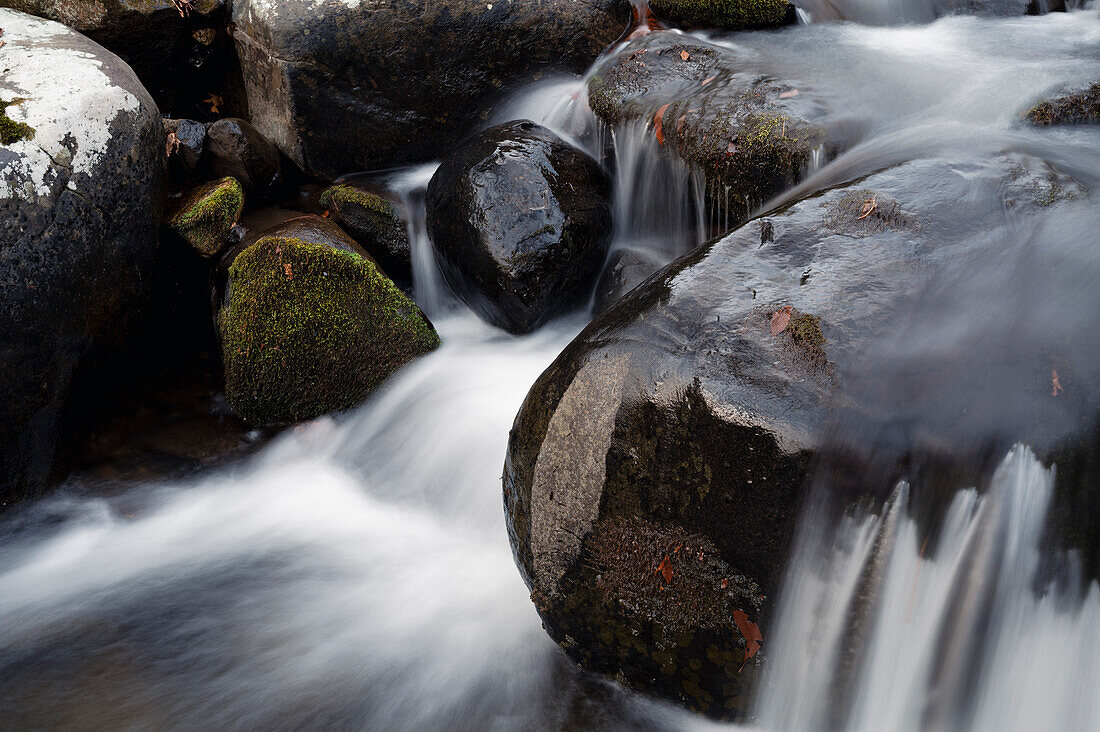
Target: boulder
point(726, 14)
point(234, 148)
point(204, 216)
point(342, 86)
point(753, 137)
point(655, 470)
point(625, 270)
point(186, 142)
point(81, 195)
point(309, 327)
point(1074, 108)
point(520, 223)
point(376, 223)
point(179, 50)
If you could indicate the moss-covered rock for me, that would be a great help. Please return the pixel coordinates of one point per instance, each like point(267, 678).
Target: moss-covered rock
point(377, 224)
point(10, 130)
point(1082, 107)
point(728, 14)
point(308, 329)
point(204, 217)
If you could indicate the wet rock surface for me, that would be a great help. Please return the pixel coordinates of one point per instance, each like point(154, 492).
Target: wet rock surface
point(379, 225)
point(81, 196)
point(520, 223)
point(235, 149)
point(343, 87)
point(1074, 108)
point(727, 14)
point(752, 136)
point(699, 402)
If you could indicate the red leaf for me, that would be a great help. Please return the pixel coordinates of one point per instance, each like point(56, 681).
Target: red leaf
point(751, 632)
point(657, 118)
point(780, 320)
point(665, 569)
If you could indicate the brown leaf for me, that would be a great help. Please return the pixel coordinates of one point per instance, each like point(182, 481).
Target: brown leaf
point(869, 207)
point(215, 103)
point(780, 319)
point(665, 569)
point(657, 119)
point(171, 144)
point(1055, 383)
point(289, 271)
point(684, 56)
point(708, 80)
point(751, 632)
point(789, 94)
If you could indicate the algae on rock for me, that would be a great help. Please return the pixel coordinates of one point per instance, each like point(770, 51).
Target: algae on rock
point(728, 14)
point(204, 217)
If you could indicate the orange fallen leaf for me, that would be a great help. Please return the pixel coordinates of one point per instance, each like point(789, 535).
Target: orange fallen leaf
point(665, 569)
point(289, 271)
point(657, 119)
point(215, 103)
point(869, 207)
point(171, 144)
point(789, 94)
point(684, 56)
point(1055, 383)
point(708, 80)
point(751, 632)
point(780, 319)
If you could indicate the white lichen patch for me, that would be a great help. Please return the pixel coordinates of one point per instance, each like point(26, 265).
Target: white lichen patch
point(66, 97)
point(271, 8)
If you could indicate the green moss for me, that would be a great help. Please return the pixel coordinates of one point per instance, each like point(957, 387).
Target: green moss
point(1081, 107)
point(340, 196)
point(10, 130)
point(730, 14)
point(308, 329)
point(204, 217)
point(374, 222)
point(805, 329)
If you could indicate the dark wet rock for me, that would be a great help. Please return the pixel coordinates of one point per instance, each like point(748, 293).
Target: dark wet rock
point(520, 223)
point(753, 137)
point(625, 270)
point(727, 14)
point(309, 327)
point(234, 148)
point(205, 216)
point(1075, 108)
point(80, 207)
point(343, 87)
point(691, 412)
point(186, 148)
point(376, 223)
point(178, 55)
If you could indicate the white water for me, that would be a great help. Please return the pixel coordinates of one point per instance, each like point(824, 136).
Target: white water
point(879, 631)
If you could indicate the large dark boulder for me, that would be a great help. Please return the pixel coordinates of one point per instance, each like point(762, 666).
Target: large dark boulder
point(180, 50)
point(81, 197)
point(751, 135)
point(347, 86)
point(520, 223)
point(656, 468)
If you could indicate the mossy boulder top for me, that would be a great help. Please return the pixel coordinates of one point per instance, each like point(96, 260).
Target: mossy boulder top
point(753, 137)
point(308, 328)
point(204, 216)
point(377, 223)
point(690, 413)
point(727, 14)
point(520, 222)
point(81, 196)
point(342, 86)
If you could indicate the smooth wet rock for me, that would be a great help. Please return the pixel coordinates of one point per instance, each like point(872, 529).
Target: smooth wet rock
point(520, 223)
point(688, 416)
point(1074, 108)
point(344, 86)
point(172, 48)
point(205, 216)
point(376, 223)
point(234, 148)
point(752, 136)
point(308, 327)
point(81, 195)
point(185, 148)
point(726, 14)
point(625, 269)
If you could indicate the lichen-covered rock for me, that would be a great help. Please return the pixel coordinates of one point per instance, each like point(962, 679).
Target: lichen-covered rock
point(308, 328)
point(178, 52)
point(234, 148)
point(1075, 108)
point(753, 137)
point(343, 86)
point(81, 191)
point(727, 14)
point(376, 223)
point(520, 222)
point(655, 470)
point(204, 216)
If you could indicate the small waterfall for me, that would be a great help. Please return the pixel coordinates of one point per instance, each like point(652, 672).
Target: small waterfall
point(877, 631)
point(410, 185)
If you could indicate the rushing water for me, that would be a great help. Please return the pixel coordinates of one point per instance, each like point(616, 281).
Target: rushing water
point(356, 573)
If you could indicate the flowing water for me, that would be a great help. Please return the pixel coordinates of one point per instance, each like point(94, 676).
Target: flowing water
point(357, 574)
